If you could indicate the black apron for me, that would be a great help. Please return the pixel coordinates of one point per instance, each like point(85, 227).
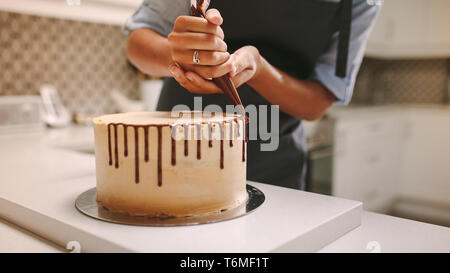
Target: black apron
point(291, 35)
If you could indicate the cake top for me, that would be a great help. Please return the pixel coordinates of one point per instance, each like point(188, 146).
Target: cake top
point(165, 118)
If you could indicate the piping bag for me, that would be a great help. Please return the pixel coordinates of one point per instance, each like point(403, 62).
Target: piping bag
point(198, 9)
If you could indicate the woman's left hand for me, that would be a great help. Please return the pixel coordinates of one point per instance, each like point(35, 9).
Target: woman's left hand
point(242, 66)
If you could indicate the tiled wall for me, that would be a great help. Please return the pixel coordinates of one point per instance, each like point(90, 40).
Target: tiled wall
point(402, 81)
point(85, 61)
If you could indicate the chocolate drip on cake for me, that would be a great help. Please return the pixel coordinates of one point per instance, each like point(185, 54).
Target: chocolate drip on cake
point(174, 146)
point(173, 128)
point(221, 144)
point(231, 133)
point(210, 135)
point(116, 148)
point(186, 134)
point(244, 139)
point(159, 156)
point(136, 153)
point(146, 155)
point(109, 144)
point(125, 140)
point(199, 143)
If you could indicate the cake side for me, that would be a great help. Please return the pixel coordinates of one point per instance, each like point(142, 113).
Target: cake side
point(143, 170)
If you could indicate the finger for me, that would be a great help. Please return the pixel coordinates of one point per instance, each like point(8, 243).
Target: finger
point(194, 84)
point(242, 77)
point(205, 57)
point(241, 62)
point(180, 77)
point(213, 16)
point(203, 86)
point(196, 24)
point(178, 74)
point(197, 41)
point(208, 72)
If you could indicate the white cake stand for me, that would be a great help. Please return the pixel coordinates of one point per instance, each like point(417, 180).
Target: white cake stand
point(86, 203)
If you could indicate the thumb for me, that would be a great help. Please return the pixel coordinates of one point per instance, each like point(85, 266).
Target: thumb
point(213, 16)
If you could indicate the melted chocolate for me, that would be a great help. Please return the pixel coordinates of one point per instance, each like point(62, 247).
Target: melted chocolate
point(136, 153)
point(116, 149)
point(186, 144)
point(146, 156)
point(159, 156)
point(221, 144)
point(109, 144)
point(210, 135)
point(199, 143)
point(244, 140)
point(231, 133)
point(174, 147)
point(159, 127)
point(125, 140)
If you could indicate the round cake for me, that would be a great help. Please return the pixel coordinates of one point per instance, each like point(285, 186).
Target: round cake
point(170, 163)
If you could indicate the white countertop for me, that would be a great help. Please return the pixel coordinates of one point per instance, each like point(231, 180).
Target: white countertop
point(56, 164)
point(389, 233)
point(14, 239)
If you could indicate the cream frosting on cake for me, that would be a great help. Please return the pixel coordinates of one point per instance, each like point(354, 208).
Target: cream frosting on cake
point(170, 163)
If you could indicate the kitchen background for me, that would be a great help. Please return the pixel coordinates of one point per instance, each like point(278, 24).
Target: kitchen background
point(389, 149)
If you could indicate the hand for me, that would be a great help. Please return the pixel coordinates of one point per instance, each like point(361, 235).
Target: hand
point(245, 64)
point(192, 34)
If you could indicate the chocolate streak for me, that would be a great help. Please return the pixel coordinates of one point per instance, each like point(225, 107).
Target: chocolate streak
point(159, 127)
point(174, 149)
point(159, 156)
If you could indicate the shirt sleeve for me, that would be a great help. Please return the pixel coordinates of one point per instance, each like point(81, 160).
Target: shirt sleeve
point(158, 15)
point(363, 18)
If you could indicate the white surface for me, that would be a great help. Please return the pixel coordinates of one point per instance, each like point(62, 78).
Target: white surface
point(390, 234)
point(14, 239)
point(411, 29)
point(114, 12)
point(40, 184)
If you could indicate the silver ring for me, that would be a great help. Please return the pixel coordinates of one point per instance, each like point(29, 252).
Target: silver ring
point(195, 57)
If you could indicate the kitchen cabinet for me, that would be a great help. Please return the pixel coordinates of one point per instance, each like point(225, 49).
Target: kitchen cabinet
point(411, 29)
point(114, 12)
point(365, 152)
point(426, 169)
point(386, 156)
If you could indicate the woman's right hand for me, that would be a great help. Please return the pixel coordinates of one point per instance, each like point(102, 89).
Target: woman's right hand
point(192, 34)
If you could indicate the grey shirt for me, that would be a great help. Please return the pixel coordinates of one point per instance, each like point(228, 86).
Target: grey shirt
point(160, 16)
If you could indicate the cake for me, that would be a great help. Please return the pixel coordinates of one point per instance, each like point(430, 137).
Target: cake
point(170, 163)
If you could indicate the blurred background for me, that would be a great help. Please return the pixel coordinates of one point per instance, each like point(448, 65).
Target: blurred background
point(390, 148)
